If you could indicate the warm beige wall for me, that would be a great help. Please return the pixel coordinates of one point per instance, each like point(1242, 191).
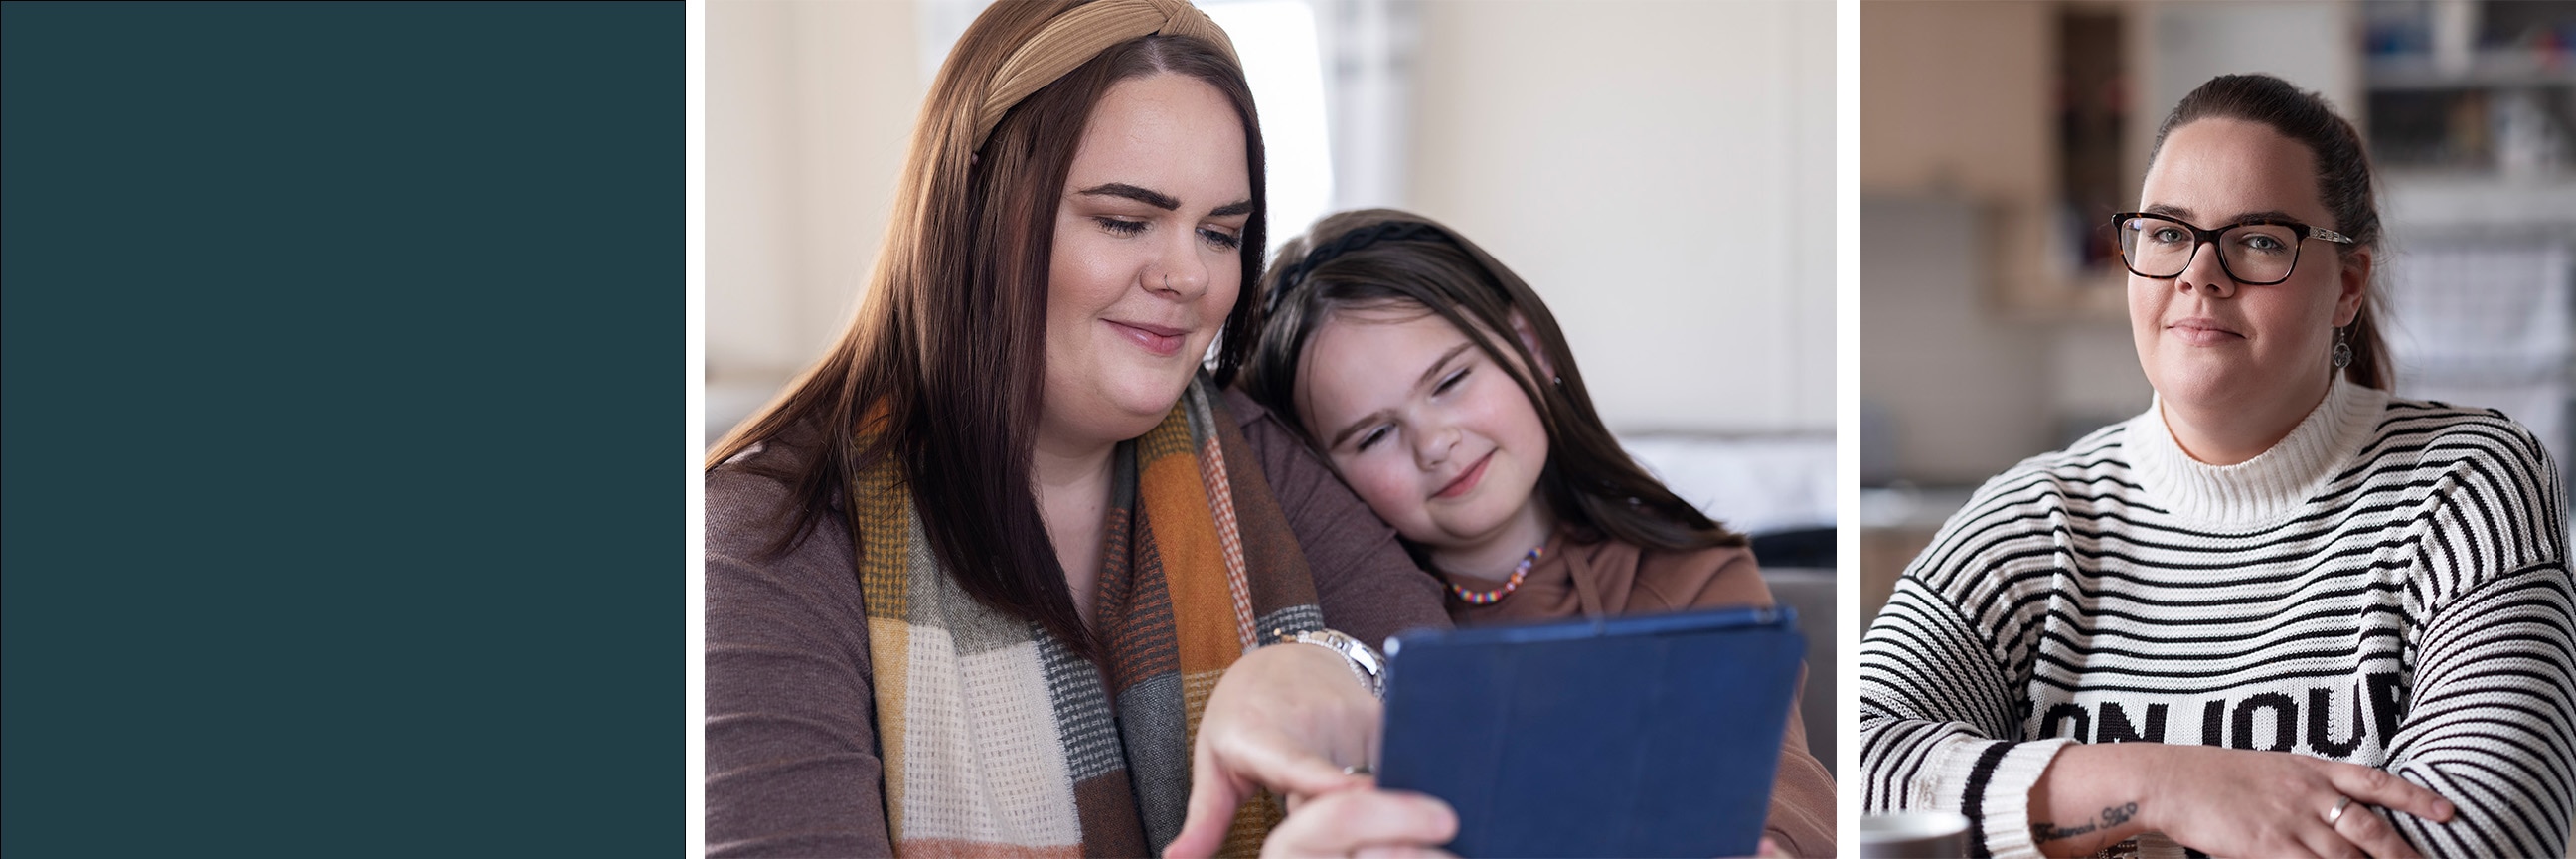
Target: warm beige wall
point(809, 106)
point(1661, 171)
point(1663, 174)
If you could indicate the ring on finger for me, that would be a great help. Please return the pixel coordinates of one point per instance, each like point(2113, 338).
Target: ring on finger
point(2341, 805)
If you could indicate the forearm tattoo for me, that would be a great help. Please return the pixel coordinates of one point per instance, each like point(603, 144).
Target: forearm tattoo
point(2113, 816)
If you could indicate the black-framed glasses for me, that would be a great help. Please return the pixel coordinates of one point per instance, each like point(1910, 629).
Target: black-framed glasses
point(2253, 252)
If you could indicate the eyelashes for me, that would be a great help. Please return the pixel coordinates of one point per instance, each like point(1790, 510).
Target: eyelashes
point(1371, 439)
point(1216, 238)
point(1381, 431)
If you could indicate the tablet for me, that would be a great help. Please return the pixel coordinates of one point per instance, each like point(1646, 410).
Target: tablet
point(1654, 735)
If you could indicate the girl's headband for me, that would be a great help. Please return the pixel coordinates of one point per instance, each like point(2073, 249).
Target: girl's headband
point(1346, 243)
point(1081, 33)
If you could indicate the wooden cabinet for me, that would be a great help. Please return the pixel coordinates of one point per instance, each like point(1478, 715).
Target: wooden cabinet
point(1959, 99)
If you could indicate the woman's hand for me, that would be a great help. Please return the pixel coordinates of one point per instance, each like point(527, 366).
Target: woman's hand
point(1287, 718)
point(2226, 802)
point(1362, 822)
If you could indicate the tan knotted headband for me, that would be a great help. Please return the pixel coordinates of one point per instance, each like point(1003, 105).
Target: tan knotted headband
point(1081, 33)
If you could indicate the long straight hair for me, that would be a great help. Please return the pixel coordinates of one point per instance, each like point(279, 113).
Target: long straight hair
point(1374, 258)
point(2343, 183)
point(942, 370)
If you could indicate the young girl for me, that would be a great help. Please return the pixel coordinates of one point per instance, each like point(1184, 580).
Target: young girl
point(1439, 387)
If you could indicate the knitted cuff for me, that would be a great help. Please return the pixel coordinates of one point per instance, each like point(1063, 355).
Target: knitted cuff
point(1990, 783)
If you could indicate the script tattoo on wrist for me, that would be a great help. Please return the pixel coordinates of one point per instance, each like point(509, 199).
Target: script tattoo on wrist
point(2044, 831)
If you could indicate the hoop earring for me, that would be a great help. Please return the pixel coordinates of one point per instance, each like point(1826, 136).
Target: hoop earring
point(2342, 350)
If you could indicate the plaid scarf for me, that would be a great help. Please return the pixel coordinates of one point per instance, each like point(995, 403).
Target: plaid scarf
point(997, 739)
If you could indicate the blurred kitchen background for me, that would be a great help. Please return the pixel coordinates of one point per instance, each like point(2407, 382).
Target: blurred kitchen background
point(1661, 172)
point(1996, 136)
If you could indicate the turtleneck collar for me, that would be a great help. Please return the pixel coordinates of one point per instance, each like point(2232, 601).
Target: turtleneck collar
point(2265, 487)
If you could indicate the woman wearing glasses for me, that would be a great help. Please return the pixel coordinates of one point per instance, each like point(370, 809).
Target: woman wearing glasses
point(2281, 613)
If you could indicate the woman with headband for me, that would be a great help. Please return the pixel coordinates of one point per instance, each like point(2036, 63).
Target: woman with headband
point(2280, 613)
point(1007, 572)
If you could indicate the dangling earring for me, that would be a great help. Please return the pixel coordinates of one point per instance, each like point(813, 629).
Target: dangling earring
point(2342, 350)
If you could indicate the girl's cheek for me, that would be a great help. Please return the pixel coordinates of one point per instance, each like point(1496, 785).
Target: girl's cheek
point(1380, 489)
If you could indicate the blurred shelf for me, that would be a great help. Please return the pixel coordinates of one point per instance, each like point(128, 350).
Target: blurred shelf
point(2495, 69)
point(2445, 199)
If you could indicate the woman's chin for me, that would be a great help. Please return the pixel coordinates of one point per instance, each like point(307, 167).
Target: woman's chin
point(1100, 404)
point(2219, 385)
point(1133, 408)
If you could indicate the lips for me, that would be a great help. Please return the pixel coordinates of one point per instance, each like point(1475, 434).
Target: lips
point(2202, 331)
point(1467, 481)
point(1160, 340)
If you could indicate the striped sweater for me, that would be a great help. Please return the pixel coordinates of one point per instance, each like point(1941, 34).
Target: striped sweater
point(2386, 586)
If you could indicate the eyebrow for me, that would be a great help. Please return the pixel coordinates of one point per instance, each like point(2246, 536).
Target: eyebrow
point(2180, 213)
point(1156, 199)
point(1428, 374)
point(1160, 200)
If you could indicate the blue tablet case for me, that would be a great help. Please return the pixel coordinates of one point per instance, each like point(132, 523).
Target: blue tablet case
point(1655, 735)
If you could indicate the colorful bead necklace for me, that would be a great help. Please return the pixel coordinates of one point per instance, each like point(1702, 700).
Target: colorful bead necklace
point(1518, 573)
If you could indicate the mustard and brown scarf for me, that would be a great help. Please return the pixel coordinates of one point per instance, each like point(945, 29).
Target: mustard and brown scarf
point(997, 740)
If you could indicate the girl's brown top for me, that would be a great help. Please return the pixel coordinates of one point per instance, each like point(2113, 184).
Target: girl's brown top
point(1609, 577)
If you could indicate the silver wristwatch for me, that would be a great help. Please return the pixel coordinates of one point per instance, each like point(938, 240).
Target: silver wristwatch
point(1364, 661)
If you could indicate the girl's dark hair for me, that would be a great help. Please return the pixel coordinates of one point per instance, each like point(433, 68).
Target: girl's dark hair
point(1382, 257)
point(942, 370)
point(2343, 182)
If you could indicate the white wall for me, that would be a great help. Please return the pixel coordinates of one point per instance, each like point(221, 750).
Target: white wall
point(1662, 173)
point(809, 107)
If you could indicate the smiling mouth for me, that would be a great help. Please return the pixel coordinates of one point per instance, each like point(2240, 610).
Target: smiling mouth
point(1466, 482)
point(1161, 341)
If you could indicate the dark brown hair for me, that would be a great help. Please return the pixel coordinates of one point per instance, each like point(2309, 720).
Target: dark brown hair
point(2343, 182)
point(943, 368)
point(1385, 258)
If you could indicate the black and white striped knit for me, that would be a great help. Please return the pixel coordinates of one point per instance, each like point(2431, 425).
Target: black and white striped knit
point(2386, 586)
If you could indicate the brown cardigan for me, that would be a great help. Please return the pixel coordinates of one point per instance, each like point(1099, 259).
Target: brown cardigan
point(1611, 577)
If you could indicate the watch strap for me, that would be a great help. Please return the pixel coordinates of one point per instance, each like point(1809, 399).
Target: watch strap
point(1364, 661)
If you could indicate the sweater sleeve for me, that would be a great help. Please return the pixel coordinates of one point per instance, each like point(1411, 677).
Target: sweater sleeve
point(2491, 717)
point(1365, 584)
point(1941, 718)
point(792, 766)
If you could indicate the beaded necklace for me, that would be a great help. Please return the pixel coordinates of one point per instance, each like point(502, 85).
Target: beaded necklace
point(1513, 584)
